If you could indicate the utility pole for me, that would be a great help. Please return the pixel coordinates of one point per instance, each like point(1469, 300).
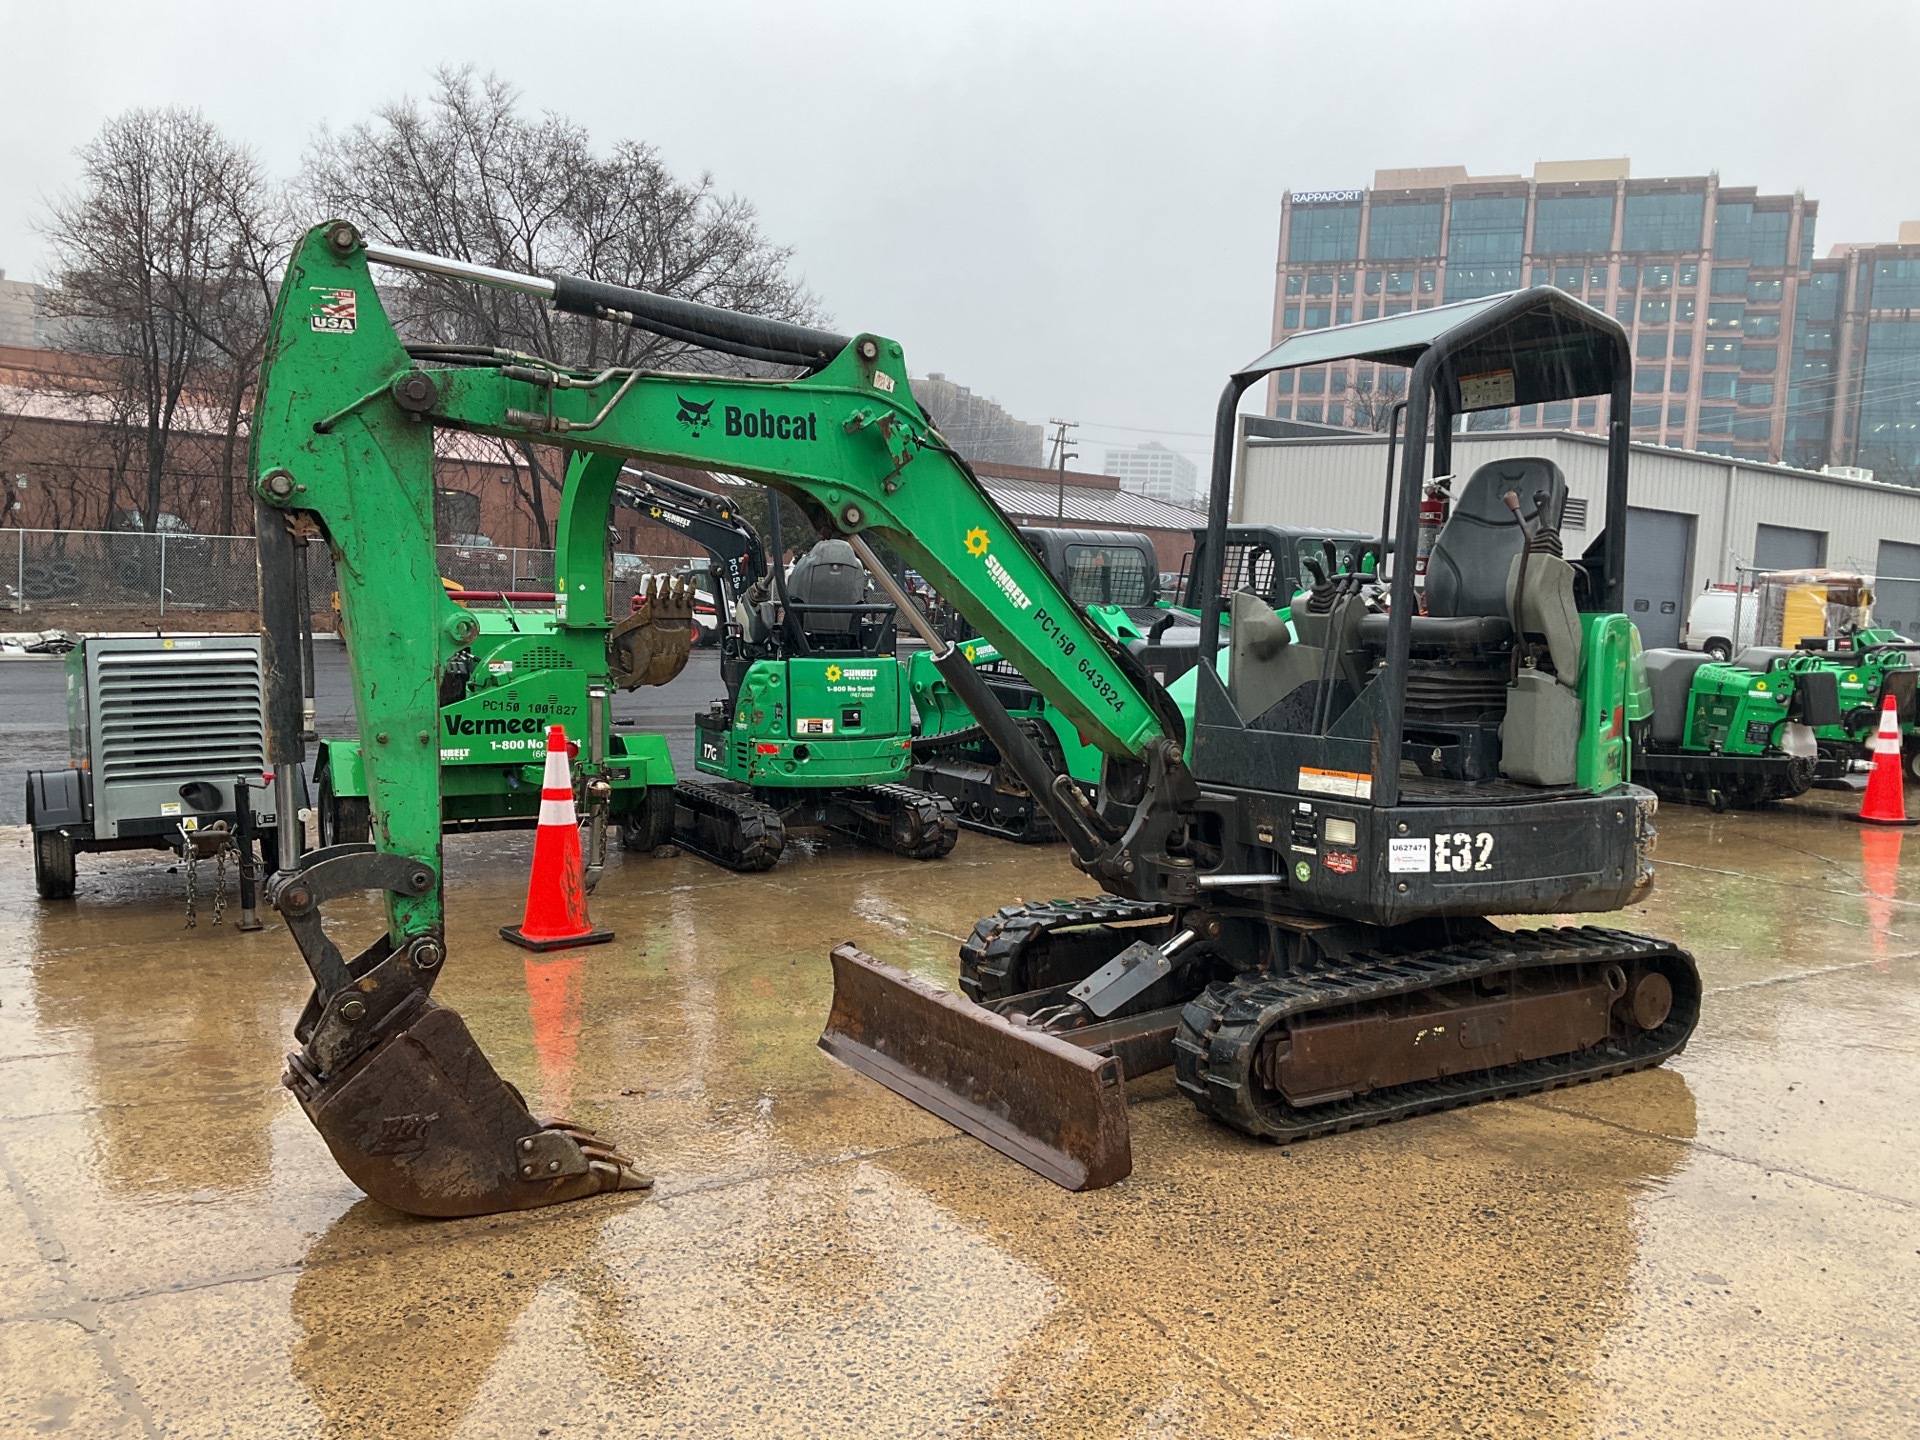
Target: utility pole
point(1060, 457)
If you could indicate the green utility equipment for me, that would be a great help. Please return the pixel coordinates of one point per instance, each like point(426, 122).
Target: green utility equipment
point(816, 725)
point(1768, 724)
point(1112, 575)
point(1293, 916)
point(1867, 666)
point(525, 668)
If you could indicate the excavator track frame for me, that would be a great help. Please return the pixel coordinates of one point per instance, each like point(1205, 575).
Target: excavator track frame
point(1044, 944)
point(1216, 1049)
point(989, 798)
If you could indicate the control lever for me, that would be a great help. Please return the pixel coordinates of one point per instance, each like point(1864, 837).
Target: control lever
point(1512, 502)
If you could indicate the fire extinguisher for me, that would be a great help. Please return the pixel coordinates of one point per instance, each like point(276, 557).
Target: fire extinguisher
point(1434, 505)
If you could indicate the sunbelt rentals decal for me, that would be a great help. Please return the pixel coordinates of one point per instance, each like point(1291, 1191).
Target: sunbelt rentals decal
point(978, 544)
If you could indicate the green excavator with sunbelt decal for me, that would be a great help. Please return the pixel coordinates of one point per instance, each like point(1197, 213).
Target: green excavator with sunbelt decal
point(1112, 575)
point(1295, 906)
point(816, 725)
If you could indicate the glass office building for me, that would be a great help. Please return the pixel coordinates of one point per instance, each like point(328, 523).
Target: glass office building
point(1704, 276)
point(1856, 359)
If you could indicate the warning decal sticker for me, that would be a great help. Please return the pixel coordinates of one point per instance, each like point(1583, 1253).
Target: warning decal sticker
point(1487, 391)
point(1351, 784)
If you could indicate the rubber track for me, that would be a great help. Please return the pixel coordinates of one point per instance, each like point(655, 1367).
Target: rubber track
point(990, 958)
point(949, 752)
point(929, 747)
point(755, 833)
point(974, 775)
point(876, 805)
point(1220, 1030)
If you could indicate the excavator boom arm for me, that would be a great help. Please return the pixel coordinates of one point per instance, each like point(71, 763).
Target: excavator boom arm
point(344, 432)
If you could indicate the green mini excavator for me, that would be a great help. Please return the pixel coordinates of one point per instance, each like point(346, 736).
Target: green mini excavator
point(1295, 916)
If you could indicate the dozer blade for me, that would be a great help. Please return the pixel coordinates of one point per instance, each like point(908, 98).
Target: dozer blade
point(1054, 1107)
point(421, 1122)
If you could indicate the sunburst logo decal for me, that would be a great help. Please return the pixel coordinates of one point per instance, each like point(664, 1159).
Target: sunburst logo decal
point(976, 542)
point(833, 673)
point(969, 653)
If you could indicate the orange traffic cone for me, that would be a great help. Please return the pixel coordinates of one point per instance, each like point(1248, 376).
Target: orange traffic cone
point(556, 915)
point(1885, 804)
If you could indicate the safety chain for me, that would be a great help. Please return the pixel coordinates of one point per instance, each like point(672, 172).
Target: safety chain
point(193, 875)
point(191, 854)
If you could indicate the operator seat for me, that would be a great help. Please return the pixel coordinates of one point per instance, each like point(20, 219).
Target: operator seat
point(829, 574)
point(1467, 569)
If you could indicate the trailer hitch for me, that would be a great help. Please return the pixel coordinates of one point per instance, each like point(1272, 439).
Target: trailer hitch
point(394, 1081)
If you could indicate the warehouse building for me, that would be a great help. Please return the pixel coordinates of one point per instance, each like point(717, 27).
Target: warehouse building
point(1032, 496)
point(1693, 518)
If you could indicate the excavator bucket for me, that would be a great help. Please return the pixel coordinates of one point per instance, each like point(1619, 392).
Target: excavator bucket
point(421, 1122)
point(1056, 1108)
point(650, 646)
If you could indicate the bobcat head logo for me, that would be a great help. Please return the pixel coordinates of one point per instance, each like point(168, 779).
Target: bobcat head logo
point(695, 416)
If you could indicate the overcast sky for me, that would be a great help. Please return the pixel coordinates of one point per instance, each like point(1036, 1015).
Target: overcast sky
point(1070, 207)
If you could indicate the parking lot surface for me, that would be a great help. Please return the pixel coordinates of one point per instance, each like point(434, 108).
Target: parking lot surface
point(1727, 1246)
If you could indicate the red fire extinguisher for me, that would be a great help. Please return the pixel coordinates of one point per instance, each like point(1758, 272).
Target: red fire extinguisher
point(1434, 503)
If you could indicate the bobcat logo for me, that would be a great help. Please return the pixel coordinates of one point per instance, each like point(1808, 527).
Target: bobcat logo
point(402, 1134)
point(695, 416)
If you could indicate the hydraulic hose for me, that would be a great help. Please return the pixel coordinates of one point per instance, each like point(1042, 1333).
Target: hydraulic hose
point(281, 666)
point(1008, 738)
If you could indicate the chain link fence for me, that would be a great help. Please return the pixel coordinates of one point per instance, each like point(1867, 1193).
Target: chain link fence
point(85, 579)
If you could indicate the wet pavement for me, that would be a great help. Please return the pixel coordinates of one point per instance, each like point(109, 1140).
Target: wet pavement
point(1728, 1246)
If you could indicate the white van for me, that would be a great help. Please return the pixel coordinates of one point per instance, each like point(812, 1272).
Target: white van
point(1710, 622)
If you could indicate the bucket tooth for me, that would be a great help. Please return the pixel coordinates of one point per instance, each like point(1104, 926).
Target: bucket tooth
point(422, 1122)
point(1056, 1108)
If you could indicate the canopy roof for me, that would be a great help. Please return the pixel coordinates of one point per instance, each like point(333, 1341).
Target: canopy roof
point(1522, 347)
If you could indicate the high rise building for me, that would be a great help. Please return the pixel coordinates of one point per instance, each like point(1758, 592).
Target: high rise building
point(977, 427)
point(1155, 472)
point(1705, 277)
point(24, 320)
point(1854, 396)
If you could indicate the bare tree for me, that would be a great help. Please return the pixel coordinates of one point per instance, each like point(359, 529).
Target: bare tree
point(470, 176)
point(1373, 399)
point(163, 263)
point(260, 234)
point(12, 507)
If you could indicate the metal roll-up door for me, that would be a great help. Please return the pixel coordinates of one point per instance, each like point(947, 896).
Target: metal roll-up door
point(1896, 593)
point(1659, 552)
point(1784, 547)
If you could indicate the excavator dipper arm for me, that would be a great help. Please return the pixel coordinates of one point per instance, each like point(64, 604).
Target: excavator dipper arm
point(343, 447)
